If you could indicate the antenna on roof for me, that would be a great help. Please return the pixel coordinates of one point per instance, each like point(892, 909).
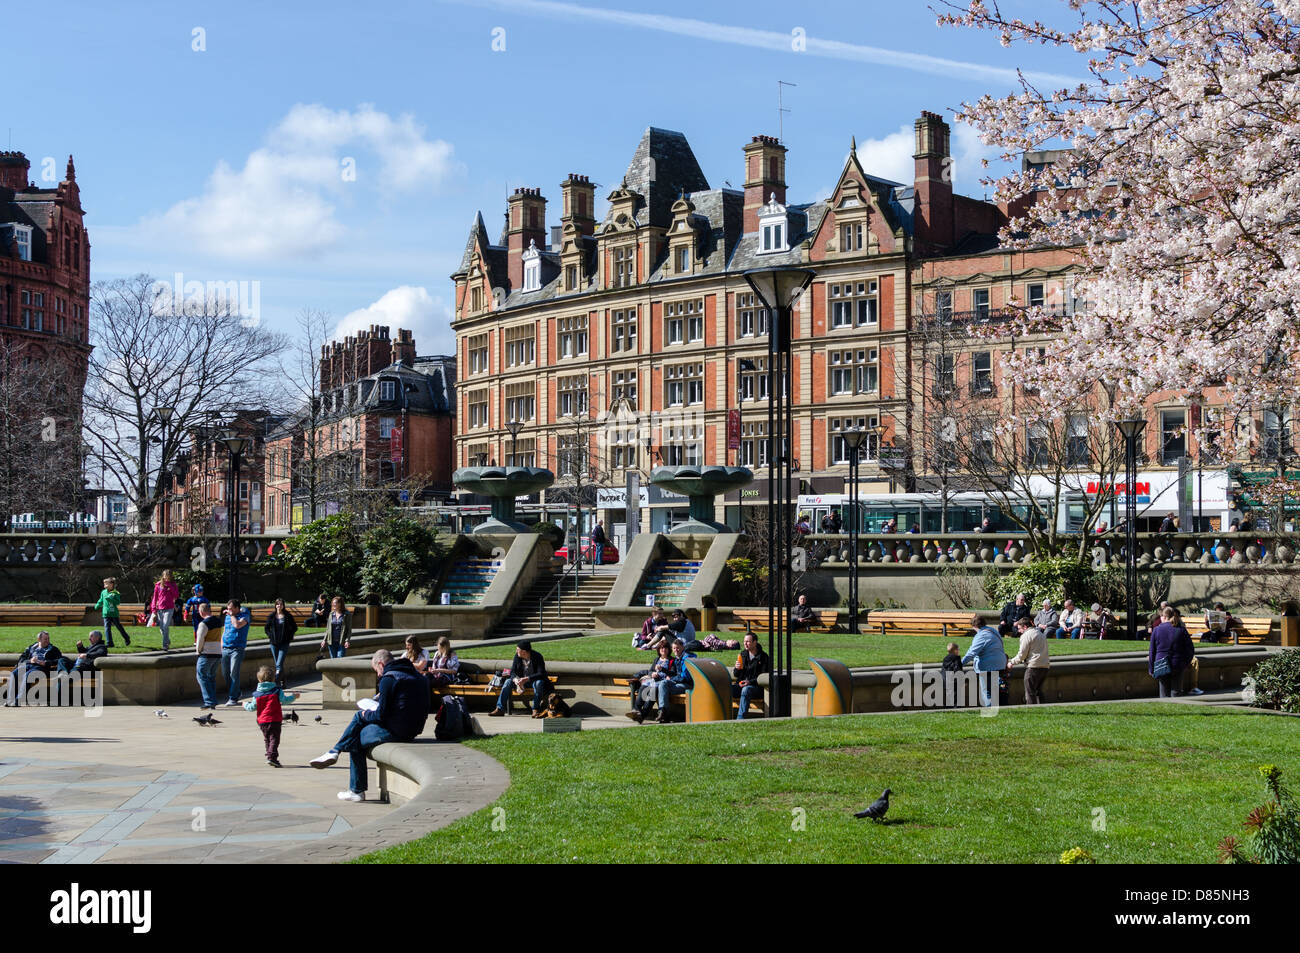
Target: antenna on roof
point(780, 109)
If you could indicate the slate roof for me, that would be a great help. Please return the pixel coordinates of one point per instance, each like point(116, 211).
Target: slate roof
point(662, 168)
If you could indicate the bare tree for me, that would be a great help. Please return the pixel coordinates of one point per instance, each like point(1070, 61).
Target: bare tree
point(966, 433)
point(40, 434)
point(149, 354)
point(310, 473)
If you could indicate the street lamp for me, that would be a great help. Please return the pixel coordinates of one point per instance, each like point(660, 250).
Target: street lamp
point(513, 428)
point(854, 438)
point(236, 445)
point(776, 289)
point(1131, 428)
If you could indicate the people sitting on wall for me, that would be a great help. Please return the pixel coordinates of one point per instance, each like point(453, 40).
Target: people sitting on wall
point(644, 687)
point(444, 667)
point(88, 655)
point(1012, 612)
point(679, 628)
point(657, 620)
point(802, 616)
point(41, 658)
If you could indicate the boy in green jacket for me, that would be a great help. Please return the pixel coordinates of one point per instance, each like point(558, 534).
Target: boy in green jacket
point(108, 602)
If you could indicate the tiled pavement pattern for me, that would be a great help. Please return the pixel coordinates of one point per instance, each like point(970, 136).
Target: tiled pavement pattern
point(128, 786)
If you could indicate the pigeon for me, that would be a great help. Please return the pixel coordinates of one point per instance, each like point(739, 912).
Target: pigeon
point(292, 716)
point(206, 720)
point(879, 807)
point(160, 713)
point(318, 718)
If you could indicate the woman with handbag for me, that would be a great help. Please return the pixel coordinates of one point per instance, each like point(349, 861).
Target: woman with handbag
point(1170, 653)
point(280, 627)
point(162, 606)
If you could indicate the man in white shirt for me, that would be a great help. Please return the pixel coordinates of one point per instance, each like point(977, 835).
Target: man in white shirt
point(1033, 654)
point(1071, 626)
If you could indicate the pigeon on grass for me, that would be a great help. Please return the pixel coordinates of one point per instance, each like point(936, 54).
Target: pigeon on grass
point(879, 807)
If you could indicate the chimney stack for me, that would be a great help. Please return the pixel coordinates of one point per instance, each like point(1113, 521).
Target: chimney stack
point(404, 347)
point(525, 222)
point(13, 171)
point(764, 177)
point(579, 203)
point(933, 217)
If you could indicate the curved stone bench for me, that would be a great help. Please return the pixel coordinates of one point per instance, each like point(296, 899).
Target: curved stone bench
point(832, 693)
point(441, 782)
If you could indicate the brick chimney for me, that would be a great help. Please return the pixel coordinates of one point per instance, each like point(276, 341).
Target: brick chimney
point(525, 222)
point(404, 347)
point(579, 203)
point(13, 171)
point(764, 177)
point(933, 218)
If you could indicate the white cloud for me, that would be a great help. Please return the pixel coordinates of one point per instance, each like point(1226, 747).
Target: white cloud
point(281, 204)
point(890, 157)
point(407, 306)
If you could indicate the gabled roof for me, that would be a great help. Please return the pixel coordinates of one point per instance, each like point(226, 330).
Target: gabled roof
point(477, 239)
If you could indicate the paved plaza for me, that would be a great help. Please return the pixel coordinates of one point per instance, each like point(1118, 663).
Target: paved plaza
point(131, 787)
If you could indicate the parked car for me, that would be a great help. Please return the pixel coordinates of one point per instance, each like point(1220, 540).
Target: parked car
point(589, 552)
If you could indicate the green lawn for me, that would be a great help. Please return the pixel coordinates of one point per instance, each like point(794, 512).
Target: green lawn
point(1019, 787)
point(852, 650)
point(15, 638)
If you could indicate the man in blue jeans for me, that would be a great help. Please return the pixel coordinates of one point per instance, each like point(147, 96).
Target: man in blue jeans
point(990, 658)
point(598, 544)
point(678, 680)
point(207, 648)
point(399, 713)
point(234, 641)
point(528, 668)
point(751, 663)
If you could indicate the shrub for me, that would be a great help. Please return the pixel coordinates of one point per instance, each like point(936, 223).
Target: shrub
point(398, 554)
point(550, 532)
point(1077, 855)
point(1272, 829)
point(749, 580)
point(1276, 682)
point(326, 555)
point(1056, 578)
point(959, 587)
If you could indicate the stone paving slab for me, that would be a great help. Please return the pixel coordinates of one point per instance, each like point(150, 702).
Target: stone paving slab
point(130, 787)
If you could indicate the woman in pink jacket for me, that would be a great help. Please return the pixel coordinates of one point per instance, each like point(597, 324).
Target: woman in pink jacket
point(163, 604)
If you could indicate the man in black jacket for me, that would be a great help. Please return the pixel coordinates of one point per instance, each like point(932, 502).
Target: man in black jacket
point(528, 668)
point(396, 713)
point(751, 663)
point(88, 655)
point(1011, 613)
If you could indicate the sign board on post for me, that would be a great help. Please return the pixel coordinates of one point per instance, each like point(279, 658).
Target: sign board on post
point(733, 429)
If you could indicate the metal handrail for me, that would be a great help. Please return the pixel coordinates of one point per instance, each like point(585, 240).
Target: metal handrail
point(557, 591)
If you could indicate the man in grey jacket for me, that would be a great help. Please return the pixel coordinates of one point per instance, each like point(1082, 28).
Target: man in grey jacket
point(1047, 618)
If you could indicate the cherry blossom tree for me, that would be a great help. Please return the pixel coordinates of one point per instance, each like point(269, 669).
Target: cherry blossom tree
point(1181, 193)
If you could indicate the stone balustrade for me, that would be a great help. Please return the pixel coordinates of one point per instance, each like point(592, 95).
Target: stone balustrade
point(93, 549)
point(1155, 550)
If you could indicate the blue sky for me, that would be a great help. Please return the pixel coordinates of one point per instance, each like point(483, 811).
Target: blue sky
point(214, 139)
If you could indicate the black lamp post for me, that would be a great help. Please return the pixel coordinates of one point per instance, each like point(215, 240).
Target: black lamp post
point(513, 428)
point(776, 289)
point(1131, 428)
point(854, 437)
point(236, 445)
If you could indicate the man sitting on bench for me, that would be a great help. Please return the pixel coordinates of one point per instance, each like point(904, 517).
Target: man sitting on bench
point(1219, 622)
point(802, 616)
point(750, 663)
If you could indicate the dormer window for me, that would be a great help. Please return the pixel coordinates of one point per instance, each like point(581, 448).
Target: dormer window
point(774, 227)
point(387, 390)
point(532, 259)
point(21, 237)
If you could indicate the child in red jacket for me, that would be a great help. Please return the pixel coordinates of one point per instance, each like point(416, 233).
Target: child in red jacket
point(267, 701)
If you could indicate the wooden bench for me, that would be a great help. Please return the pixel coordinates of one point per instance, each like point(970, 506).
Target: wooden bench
point(905, 622)
point(41, 615)
point(479, 686)
point(755, 620)
point(1249, 630)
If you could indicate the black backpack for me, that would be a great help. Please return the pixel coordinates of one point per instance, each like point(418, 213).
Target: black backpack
point(453, 720)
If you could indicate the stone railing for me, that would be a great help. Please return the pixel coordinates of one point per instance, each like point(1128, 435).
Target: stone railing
point(91, 549)
point(1153, 549)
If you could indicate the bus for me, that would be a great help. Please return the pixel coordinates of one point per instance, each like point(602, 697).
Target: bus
point(966, 511)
